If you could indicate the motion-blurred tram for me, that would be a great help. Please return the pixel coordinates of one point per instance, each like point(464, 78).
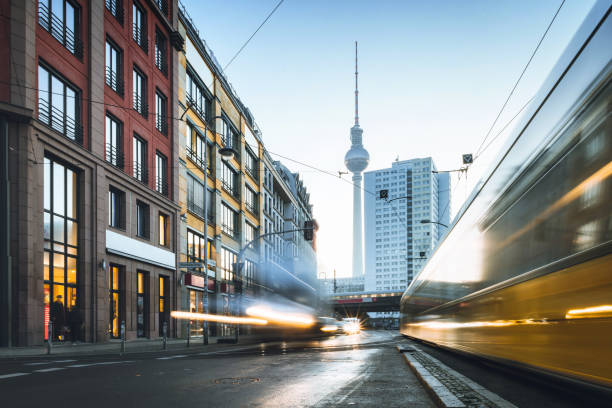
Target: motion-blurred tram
point(524, 275)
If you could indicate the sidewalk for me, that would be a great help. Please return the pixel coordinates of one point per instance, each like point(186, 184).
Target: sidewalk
point(114, 347)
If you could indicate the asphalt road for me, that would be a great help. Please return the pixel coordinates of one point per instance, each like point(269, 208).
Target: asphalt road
point(361, 370)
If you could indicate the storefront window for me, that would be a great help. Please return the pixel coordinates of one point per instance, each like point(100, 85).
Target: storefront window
point(60, 232)
point(142, 313)
point(163, 306)
point(115, 278)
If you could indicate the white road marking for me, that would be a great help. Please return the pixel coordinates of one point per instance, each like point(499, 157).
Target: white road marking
point(227, 351)
point(48, 370)
point(13, 375)
point(95, 364)
point(49, 362)
point(171, 357)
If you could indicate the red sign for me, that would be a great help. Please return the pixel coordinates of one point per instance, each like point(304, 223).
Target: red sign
point(356, 300)
point(194, 280)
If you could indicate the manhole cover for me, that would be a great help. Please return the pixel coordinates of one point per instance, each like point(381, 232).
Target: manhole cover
point(236, 380)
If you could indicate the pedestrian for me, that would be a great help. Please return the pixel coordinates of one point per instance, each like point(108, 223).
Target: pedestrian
point(74, 321)
point(58, 317)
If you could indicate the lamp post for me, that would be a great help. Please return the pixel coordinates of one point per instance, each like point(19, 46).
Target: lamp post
point(433, 222)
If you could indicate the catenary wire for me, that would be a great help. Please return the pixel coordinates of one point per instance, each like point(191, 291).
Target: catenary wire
point(519, 78)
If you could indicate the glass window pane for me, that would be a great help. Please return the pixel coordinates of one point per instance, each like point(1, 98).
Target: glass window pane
point(47, 183)
point(115, 277)
point(71, 233)
point(43, 94)
point(71, 297)
point(71, 113)
point(161, 287)
point(140, 282)
point(57, 104)
point(58, 228)
point(58, 188)
point(72, 270)
point(71, 210)
point(58, 268)
point(47, 226)
point(46, 266)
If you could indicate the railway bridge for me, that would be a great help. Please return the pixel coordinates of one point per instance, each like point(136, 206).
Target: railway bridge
point(358, 303)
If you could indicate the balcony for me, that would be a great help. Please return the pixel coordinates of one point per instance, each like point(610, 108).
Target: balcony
point(139, 33)
point(161, 124)
point(113, 81)
point(141, 173)
point(160, 61)
point(161, 186)
point(140, 105)
point(252, 172)
point(193, 156)
point(195, 209)
point(114, 156)
point(229, 230)
point(232, 190)
point(56, 27)
point(192, 103)
point(59, 121)
point(252, 208)
point(116, 9)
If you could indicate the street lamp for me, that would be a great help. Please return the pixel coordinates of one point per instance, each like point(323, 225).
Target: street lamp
point(433, 222)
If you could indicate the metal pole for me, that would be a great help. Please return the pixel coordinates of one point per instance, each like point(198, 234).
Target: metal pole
point(164, 332)
point(188, 332)
point(205, 298)
point(49, 337)
point(122, 336)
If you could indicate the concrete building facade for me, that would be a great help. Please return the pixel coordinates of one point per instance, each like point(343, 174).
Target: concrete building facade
point(398, 243)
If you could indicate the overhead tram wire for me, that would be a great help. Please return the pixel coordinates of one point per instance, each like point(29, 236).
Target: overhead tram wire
point(253, 35)
point(478, 151)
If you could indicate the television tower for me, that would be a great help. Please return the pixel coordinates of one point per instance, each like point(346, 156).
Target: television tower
point(356, 161)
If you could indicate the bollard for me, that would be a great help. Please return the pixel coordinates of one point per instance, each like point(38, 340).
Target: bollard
point(49, 337)
point(122, 336)
point(188, 332)
point(164, 331)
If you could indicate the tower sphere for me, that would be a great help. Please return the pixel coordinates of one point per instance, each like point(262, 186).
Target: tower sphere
point(357, 159)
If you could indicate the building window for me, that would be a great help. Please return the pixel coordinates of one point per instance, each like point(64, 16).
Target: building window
point(163, 306)
point(195, 196)
point(114, 77)
point(197, 146)
point(114, 152)
point(228, 259)
point(210, 206)
point(61, 19)
point(139, 92)
point(229, 221)
point(248, 273)
point(250, 233)
point(139, 26)
point(196, 248)
point(250, 198)
point(115, 286)
point(163, 230)
point(116, 208)
point(142, 219)
point(161, 45)
point(198, 96)
point(163, 6)
point(230, 136)
point(115, 7)
point(229, 179)
point(140, 159)
point(142, 304)
point(161, 114)
point(60, 233)
point(59, 105)
point(250, 164)
point(161, 174)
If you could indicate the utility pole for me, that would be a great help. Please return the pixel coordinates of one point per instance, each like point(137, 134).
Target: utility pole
point(335, 286)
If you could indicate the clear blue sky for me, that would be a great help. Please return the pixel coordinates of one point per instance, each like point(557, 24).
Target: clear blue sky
point(433, 75)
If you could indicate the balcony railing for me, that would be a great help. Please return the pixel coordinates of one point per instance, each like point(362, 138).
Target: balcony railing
point(56, 27)
point(194, 157)
point(114, 81)
point(161, 123)
point(114, 155)
point(161, 185)
point(115, 7)
point(251, 207)
point(59, 121)
point(229, 230)
point(232, 190)
point(252, 172)
point(140, 105)
point(139, 34)
point(196, 107)
point(163, 6)
point(140, 172)
point(160, 61)
point(195, 209)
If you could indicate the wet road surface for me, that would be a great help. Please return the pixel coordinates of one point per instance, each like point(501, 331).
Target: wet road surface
point(359, 370)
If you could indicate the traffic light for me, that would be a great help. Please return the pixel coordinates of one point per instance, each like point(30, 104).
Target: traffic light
point(308, 230)
point(383, 194)
point(468, 159)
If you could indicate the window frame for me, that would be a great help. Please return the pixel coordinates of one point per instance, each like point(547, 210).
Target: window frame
point(143, 220)
point(139, 93)
point(139, 31)
point(117, 84)
point(161, 180)
point(161, 118)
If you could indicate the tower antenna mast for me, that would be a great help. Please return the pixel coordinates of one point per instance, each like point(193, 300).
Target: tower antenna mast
point(356, 89)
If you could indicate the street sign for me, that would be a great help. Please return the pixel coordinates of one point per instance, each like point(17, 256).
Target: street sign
point(191, 265)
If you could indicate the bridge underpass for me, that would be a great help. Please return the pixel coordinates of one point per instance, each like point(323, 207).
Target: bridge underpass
point(359, 303)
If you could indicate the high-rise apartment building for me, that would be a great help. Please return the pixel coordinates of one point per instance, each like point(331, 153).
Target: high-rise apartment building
point(402, 230)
